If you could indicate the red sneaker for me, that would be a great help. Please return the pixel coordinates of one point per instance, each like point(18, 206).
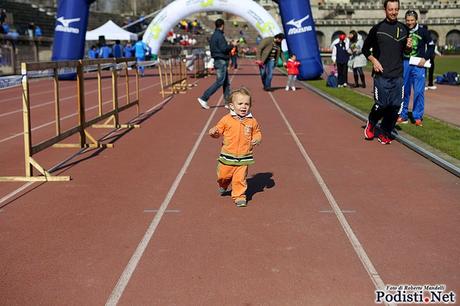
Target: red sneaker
point(369, 131)
point(401, 120)
point(384, 139)
point(418, 122)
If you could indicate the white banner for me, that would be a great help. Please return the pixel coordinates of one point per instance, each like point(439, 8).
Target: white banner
point(170, 16)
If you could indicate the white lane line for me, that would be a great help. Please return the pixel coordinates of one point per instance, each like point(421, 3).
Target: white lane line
point(359, 249)
point(70, 116)
point(26, 185)
point(137, 255)
point(61, 100)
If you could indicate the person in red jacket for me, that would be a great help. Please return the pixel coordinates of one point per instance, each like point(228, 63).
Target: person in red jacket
point(292, 66)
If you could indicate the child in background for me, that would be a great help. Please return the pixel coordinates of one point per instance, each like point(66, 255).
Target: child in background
point(241, 134)
point(292, 66)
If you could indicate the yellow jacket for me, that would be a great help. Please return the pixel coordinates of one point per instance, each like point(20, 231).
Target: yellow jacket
point(238, 134)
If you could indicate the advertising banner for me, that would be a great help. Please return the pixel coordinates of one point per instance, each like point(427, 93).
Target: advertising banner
point(70, 30)
point(299, 29)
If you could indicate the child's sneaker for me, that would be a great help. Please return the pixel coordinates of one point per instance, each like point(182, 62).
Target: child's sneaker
point(287, 88)
point(418, 122)
point(241, 203)
point(222, 191)
point(293, 88)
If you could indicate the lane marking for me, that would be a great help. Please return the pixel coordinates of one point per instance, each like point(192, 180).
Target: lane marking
point(60, 164)
point(128, 272)
point(166, 211)
point(344, 211)
point(359, 249)
point(69, 116)
point(63, 99)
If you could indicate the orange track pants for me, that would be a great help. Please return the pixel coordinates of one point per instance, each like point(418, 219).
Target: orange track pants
point(235, 175)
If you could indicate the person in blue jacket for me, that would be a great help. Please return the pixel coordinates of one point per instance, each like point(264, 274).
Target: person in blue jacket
point(117, 49)
point(140, 51)
point(93, 52)
point(414, 74)
point(105, 51)
point(128, 50)
point(220, 52)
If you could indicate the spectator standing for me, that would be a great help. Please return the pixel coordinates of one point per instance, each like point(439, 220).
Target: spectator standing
point(268, 53)
point(117, 49)
point(140, 51)
point(128, 50)
point(220, 50)
point(93, 52)
point(388, 40)
point(357, 60)
point(241, 134)
point(38, 31)
point(292, 66)
point(31, 29)
point(340, 57)
point(2, 16)
point(105, 51)
point(234, 55)
point(414, 74)
point(431, 69)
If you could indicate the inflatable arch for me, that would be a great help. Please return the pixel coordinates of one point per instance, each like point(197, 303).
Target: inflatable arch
point(298, 24)
point(168, 17)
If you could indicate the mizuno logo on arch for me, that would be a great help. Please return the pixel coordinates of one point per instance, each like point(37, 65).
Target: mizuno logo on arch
point(297, 27)
point(65, 25)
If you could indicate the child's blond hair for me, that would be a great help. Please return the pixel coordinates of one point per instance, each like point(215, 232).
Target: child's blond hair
point(240, 91)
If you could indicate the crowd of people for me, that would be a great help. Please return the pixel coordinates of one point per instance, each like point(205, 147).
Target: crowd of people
point(33, 30)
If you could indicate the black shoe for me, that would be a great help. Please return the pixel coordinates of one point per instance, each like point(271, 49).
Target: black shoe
point(267, 89)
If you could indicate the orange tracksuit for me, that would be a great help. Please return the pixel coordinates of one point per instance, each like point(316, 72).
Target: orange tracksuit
point(236, 152)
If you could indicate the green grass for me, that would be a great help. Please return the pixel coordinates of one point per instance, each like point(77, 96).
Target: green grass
point(439, 135)
point(443, 64)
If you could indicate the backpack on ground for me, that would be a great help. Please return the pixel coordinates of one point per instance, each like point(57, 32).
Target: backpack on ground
point(449, 78)
point(331, 80)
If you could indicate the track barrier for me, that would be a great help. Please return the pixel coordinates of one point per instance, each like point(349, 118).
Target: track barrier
point(118, 66)
point(173, 76)
point(199, 69)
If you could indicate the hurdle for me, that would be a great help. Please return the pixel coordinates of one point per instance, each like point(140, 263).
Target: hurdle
point(86, 140)
point(199, 69)
point(173, 76)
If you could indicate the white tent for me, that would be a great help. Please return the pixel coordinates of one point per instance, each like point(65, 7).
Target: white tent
point(111, 32)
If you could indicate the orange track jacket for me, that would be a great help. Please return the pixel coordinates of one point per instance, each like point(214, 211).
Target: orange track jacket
point(238, 134)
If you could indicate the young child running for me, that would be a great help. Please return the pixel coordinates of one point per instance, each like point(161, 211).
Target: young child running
point(241, 133)
point(292, 67)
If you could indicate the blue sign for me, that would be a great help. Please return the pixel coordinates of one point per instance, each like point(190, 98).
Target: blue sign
point(70, 30)
point(299, 29)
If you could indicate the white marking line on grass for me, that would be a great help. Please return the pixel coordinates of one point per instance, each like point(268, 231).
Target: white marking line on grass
point(23, 187)
point(359, 249)
point(142, 246)
point(69, 116)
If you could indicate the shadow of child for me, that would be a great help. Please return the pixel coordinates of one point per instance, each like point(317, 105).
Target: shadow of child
point(258, 182)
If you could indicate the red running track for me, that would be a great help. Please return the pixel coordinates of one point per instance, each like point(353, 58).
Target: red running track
point(331, 217)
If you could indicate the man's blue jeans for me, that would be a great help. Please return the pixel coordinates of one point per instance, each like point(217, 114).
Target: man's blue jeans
point(221, 80)
point(266, 73)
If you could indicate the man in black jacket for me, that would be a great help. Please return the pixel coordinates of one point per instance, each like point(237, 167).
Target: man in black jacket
point(220, 51)
point(388, 40)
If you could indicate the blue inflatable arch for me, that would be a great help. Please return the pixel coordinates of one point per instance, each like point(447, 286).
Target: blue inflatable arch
point(72, 20)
